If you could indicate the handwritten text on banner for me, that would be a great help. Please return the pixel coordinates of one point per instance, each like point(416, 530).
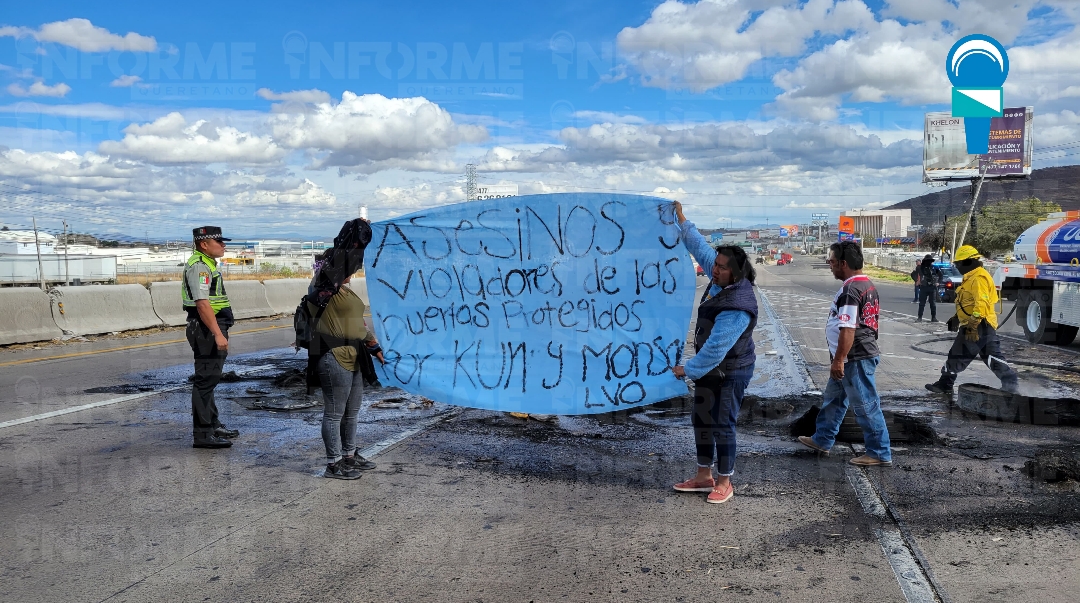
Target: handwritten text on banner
point(565, 304)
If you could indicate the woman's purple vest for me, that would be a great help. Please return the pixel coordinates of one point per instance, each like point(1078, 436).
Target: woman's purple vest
point(738, 296)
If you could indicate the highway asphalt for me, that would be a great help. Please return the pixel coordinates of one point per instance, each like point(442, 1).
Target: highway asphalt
point(110, 503)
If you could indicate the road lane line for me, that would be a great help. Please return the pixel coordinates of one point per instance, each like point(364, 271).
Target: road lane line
point(127, 398)
point(912, 570)
point(382, 446)
point(369, 452)
point(128, 347)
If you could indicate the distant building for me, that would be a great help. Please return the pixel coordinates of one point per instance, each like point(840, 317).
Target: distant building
point(21, 242)
point(875, 223)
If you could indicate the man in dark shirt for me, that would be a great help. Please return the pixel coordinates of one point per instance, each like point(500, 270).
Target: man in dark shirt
point(852, 332)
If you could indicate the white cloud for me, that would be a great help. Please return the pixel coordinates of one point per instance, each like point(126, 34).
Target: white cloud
point(39, 88)
point(171, 140)
point(673, 151)
point(368, 133)
point(608, 117)
point(87, 110)
point(125, 81)
point(891, 61)
point(894, 62)
point(713, 42)
point(110, 194)
point(83, 35)
point(295, 96)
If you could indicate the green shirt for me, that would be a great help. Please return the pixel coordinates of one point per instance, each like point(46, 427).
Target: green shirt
point(344, 319)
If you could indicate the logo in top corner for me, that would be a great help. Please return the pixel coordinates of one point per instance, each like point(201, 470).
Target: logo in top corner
point(977, 66)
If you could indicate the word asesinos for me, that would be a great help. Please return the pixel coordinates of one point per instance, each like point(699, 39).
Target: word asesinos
point(576, 235)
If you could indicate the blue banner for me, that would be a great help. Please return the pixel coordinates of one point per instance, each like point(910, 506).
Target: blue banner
point(558, 304)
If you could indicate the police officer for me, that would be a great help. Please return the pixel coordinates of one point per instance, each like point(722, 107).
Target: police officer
point(209, 319)
point(976, 323)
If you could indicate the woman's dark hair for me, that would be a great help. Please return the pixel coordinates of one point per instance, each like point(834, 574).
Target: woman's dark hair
point(848, 251)
point(738, 262)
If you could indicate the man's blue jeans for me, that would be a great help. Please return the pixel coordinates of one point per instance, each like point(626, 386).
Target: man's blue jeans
point(859, 390)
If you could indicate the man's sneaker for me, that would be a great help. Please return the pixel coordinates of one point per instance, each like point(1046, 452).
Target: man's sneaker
point(358, 462)
point(940, 387)
point(810, 443)
point(694, 485)
point(210, 441)
point(340, 470)
point(224, 432)
point(869, 461)
point(721, 495)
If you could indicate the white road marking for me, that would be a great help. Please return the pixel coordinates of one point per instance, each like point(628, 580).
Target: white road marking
point(913, 581)
point(129, 397)
point(380, 447)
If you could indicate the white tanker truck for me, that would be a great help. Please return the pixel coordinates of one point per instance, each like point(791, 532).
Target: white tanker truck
point(1045, 280)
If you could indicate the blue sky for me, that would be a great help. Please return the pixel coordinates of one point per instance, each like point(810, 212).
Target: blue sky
point(277, 118)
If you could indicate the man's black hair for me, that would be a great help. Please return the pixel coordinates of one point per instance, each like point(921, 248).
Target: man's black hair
point(848, 251)
point(738, 262)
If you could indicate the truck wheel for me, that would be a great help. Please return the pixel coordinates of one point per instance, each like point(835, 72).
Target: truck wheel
point(1036, 308)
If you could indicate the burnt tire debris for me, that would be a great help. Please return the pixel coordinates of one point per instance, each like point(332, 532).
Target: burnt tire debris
point(997, 405)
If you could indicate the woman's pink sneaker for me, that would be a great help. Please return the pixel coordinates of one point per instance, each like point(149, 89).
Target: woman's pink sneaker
point(694, 485)
point(721, 495)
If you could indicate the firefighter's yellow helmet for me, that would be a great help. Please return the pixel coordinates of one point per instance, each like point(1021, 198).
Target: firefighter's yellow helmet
point(967, 252)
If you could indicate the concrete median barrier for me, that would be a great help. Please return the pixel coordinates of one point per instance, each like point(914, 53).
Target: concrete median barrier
point(359, 286)
point(103, 309)
point(284, 294)
point(26, 317)
point(248, 299)
point(167, 303)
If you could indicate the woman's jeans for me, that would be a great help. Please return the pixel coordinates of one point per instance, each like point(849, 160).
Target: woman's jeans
point(342, 390)
point(858, 389)
point(716, 409)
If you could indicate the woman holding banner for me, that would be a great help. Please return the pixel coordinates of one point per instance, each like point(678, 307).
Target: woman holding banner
point(724, 361)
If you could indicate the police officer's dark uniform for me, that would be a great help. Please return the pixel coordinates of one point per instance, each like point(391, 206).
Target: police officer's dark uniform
point(202, 281)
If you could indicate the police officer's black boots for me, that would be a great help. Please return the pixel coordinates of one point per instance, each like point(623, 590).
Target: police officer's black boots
point(210, 441)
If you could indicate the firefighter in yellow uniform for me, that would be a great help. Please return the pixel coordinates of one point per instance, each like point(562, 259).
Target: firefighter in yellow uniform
point(209, 318)
point(976, 323)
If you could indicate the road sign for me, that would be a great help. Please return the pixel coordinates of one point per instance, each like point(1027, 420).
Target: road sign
point(820, 216)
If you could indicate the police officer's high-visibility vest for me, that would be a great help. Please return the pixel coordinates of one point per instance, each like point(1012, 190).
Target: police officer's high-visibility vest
point(219, 300)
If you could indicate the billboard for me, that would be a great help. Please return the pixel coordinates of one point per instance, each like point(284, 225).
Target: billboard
point(792, 230)
point(847, 224)
point(945, 154)
point(495, 191)
point(753, 234)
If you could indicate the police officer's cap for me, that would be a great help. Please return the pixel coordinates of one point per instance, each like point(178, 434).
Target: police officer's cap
point(203, 233)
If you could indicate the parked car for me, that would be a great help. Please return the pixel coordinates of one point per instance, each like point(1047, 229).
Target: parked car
point(949, 278)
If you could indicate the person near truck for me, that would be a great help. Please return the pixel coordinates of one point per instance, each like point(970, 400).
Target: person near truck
point(975, 325)
point(852, 332)
point(927, 285)
point(209, 318)
point(724, 361)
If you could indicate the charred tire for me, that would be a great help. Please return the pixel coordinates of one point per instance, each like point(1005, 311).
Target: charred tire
point(849, 429)
point(1034, 316)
